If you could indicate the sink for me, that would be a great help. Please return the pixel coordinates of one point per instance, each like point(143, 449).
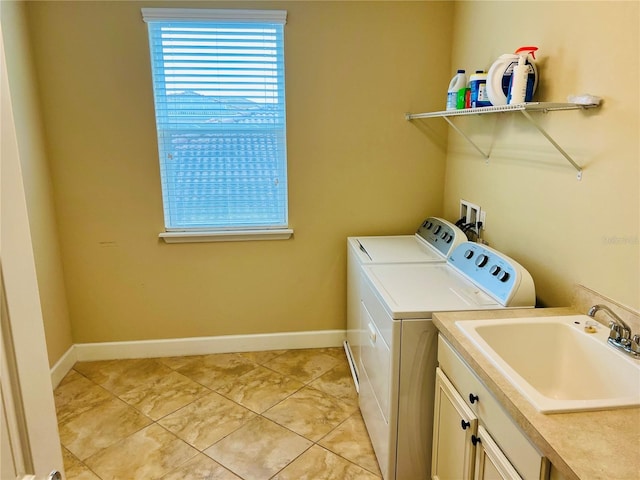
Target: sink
point(556, 363)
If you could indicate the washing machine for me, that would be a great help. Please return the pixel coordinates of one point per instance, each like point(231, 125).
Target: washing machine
point(434, 240)
point(398, 358)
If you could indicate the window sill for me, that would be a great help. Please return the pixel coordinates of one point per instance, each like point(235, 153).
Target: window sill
point(226, 236)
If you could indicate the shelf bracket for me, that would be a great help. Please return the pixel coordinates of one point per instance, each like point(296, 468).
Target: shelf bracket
point(524, 108)
point(485, 155)
point(553, 142)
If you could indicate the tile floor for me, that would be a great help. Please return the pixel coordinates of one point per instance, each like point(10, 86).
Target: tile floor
point(282, 415)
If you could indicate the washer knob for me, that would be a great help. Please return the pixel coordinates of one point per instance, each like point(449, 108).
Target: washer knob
point(468, 254)
point(504, 276)
point(482, 260)
point(438, 228)
point(495, 270)
point(444, 235)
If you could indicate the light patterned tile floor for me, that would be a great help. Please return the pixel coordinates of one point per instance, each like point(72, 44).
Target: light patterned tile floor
point(286, 414)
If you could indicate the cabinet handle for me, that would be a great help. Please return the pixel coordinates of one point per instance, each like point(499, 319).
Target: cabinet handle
point(464, 424)
point(473, 398)
point(475, 440)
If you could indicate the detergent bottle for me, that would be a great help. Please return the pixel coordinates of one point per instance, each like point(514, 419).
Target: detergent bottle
point(479, 97)
point(521, 89)
point(499, 77)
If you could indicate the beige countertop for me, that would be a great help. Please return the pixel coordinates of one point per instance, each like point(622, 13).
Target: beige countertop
point(581, 445)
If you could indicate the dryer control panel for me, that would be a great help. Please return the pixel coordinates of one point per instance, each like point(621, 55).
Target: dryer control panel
point(497, 274)
point(441, 235)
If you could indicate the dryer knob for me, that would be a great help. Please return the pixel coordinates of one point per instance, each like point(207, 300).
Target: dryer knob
point(468, 254)
point(482, 260)
point(437, 230)
point(449, 240)
point(495, 270)
point(444, 235)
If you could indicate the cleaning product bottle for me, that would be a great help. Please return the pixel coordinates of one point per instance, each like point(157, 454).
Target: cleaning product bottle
point(479, 97)
point(519, 88)
point(463, 100)
point(458, 82)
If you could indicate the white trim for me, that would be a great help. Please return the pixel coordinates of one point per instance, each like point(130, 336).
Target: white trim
point(63, 366)
point(176, 347)
point(226, 235)
point(208, 345)
point(200, 14)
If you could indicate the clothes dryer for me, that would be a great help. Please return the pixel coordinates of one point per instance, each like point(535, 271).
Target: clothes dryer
point(434, 240)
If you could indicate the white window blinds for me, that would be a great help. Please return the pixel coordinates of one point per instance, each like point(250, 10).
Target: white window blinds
point(218, 82)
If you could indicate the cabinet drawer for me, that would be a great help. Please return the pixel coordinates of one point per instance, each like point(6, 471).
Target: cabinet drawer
point(529, 463)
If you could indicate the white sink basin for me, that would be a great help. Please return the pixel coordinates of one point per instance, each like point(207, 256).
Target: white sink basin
point(556, 364)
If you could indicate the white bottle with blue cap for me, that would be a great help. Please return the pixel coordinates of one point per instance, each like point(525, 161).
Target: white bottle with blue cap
point(459, 81)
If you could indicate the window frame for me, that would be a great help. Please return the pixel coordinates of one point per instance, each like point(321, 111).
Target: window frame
point(220, 233)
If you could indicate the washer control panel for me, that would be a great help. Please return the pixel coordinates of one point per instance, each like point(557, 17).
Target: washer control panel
point(497, 274)
point(441, 235)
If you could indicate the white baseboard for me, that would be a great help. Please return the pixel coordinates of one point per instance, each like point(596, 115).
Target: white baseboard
point(63, 366)
point(176, 347)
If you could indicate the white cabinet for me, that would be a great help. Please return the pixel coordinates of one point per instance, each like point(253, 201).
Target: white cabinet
point(491, 463)
point(454, 425)
point(463, 449)
point(474, 438)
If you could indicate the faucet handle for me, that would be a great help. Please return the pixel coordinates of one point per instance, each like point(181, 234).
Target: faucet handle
point(619, 333)
point(614, 332)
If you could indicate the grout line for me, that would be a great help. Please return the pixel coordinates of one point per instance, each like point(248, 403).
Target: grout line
point(305, 384)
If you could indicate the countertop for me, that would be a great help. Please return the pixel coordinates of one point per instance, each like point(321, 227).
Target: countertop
point(586, 445)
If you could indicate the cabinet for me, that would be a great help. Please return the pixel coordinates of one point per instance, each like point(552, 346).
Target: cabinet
point(473, 437)
point(463, 449)
point(491, 463)
point(524, 108)
point(454, 428)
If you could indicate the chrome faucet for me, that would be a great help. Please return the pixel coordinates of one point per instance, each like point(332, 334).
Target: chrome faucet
point(620, 333)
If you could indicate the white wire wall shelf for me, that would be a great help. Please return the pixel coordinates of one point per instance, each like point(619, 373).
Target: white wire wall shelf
point(523, 108)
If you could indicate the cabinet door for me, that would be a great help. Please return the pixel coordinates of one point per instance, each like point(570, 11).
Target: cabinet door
point(453, 426)
point(491, 463)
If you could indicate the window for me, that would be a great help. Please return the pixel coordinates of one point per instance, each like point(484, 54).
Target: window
point(218, 83)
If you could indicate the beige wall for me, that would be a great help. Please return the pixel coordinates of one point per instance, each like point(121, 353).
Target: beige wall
point(37, 180)
point(563, 230)
point(355, 166)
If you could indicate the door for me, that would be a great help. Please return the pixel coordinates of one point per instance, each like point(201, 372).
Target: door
point(491, 463)
point(29, 432)
point(454, 425)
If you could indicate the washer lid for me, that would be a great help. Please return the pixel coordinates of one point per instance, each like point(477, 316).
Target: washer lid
point(417, 290)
